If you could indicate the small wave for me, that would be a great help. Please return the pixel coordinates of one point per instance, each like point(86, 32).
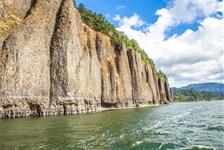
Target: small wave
point(149, 145)
point(42, 147)
point(190, 109)
point(198, 147)
point(161, 146)
point(122, 136)
point(161, 132)
point(182, 115)
point(160, 123)
point(216, 128)
point(157, 125)
point(198, 107)
point(168, 146)
point(136, 143)
point(153, 145)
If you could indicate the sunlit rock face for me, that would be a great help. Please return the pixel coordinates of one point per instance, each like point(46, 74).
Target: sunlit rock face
point(12, 13)
point(53, 64)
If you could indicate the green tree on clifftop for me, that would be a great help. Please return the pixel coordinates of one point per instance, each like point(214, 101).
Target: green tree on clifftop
point(98, 23)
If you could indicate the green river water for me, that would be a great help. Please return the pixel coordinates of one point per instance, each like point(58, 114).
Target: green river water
point(196, 126)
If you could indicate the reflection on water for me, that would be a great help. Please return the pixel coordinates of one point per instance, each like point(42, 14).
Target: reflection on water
point(177, 126)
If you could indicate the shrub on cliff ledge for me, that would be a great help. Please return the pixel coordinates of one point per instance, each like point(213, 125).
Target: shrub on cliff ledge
point(161, 75)
point(95, 21)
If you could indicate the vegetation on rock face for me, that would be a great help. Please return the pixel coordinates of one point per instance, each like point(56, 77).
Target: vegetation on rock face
point(98, 23)
point(161, 75)
point(194, 95)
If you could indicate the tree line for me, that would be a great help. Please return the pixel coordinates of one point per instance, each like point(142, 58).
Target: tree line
point(100, 24)
point(195, 95)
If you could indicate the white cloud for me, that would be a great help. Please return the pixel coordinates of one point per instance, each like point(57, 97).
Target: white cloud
point(193, 56)
point(186, 11)
point(119, 7)
point(133, 21)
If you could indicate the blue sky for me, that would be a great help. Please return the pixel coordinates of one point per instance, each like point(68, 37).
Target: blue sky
point(180, 35)
point(146, 8)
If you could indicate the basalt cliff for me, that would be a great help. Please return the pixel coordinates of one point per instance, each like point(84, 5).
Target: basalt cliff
point(53, 64)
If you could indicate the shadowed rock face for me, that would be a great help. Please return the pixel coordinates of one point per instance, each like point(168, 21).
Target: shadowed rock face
point(53, 64)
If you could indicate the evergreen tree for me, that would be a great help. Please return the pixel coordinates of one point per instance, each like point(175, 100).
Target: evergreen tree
point(98, 23)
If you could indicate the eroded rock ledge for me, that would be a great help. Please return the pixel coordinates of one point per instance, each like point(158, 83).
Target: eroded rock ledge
point(53, 64)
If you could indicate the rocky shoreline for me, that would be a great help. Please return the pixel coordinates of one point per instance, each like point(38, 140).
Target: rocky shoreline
point(63, 110)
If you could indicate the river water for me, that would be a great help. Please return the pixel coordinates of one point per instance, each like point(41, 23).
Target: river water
point(196, 126)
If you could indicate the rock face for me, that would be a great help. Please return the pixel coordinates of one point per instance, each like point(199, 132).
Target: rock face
point(53, 64)
point(12, 13)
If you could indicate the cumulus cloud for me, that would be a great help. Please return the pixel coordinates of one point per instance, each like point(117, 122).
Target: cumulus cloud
point(186, 11)
point(133, 21)
point(193, 56)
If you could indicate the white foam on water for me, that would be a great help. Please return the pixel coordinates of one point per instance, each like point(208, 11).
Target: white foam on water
point(136, 143)
point(160, 123)
point(122, 136)
point(181, 115)
point(198, 107)
point(161, 145)
point(202, 147)
point(157, 125)
point(139, 142)
point(161, 132)
point(42, 146)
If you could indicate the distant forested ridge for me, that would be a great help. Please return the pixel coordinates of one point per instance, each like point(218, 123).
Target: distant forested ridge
point(211, 86)
point(199, 92)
